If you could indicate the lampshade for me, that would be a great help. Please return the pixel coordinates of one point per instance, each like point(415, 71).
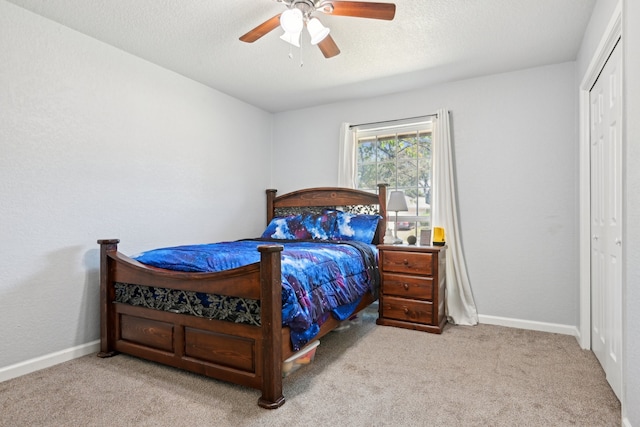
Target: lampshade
point(292, 38)
point(397, 201)
point(291, 20)
point(317, 31)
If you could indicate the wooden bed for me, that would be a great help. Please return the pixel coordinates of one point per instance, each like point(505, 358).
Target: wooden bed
point(238, 353)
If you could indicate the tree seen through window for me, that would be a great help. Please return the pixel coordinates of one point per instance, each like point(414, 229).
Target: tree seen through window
point(401, 159)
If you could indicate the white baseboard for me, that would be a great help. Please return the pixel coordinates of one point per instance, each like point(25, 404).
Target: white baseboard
point(52, 359)
point(48, 360)
point(531, 325)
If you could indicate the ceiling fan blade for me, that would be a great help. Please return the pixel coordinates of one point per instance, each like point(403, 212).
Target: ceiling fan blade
point(364, 9)
point(328, 47)
point(262, 29)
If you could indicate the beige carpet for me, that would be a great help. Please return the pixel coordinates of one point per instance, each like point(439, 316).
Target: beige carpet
point(367, 375)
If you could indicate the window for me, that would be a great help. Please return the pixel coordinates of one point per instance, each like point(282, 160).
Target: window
point(401, 157)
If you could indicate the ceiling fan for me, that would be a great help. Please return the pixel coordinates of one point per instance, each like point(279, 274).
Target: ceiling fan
point(300, 13)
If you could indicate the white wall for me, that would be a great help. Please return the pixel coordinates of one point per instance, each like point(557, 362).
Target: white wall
point(96, 143)
point(602, 12)
point(516, 147)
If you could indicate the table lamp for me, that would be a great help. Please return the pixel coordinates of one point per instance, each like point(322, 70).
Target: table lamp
point(396, 203)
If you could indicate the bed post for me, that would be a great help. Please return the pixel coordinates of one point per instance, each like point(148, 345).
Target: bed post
point(271, 320)
point(382, 209)
point(271, 195)
point(106, 298)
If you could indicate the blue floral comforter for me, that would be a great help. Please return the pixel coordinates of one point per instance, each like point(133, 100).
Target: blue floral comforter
point(318, 277)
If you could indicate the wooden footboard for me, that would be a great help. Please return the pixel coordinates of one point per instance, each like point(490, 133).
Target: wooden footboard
point(241, 354)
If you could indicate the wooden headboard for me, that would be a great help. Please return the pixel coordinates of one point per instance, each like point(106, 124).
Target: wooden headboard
point(317, 199)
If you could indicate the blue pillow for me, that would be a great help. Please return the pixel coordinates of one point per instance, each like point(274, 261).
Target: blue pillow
point(360, 227)
point(304, 226)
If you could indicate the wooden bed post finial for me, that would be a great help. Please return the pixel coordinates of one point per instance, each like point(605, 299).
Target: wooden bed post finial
point(382, 198)
point(271, 195)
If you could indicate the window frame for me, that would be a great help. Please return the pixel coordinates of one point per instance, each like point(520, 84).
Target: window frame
point(413, 217)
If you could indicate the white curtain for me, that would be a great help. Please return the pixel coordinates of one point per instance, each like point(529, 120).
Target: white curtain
point(347, 157)
point(460, 306)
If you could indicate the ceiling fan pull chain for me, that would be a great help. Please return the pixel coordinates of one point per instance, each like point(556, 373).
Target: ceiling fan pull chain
point(301, 62)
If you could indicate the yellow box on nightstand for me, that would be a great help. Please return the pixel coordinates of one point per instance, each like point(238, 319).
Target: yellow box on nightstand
point(438, 236)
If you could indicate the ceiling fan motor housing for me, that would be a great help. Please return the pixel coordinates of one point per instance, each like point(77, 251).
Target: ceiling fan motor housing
point(307, 7)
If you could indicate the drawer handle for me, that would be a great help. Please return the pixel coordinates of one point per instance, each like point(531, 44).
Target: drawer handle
point(405, 286)
point(405, 261)
point(406, 310)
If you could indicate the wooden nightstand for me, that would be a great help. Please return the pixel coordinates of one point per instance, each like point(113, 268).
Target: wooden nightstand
point(412, 290)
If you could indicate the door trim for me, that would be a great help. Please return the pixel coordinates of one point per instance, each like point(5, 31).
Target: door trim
point(610, 38)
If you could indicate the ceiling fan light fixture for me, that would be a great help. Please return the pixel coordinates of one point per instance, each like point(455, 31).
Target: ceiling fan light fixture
point(292, 21)
point(317, 31)
point(292, 38)
point(299, 13)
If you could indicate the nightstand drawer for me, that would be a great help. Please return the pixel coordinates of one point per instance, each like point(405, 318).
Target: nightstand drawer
point(408, 286)
point(407, 310)
point(407, 262)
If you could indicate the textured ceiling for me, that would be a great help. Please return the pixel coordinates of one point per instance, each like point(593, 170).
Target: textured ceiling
point(429, 41)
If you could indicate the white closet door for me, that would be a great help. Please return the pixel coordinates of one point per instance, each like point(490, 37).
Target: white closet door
point(606, 219)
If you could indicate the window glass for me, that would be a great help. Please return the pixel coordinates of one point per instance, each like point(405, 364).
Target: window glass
point(400, 157)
